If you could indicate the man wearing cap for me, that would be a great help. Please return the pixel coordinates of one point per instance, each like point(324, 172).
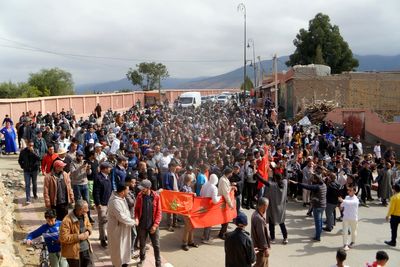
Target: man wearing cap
point(48, 159)
point(79, 171)
point(99, 154)
point(102, 189)
point(64, 157)
point(224, 189)
point(114, 143)
point(57, 191)
point(148, 215)
point(239, 249)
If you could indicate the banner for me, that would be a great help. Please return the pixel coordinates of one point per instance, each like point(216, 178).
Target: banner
point(200, 210)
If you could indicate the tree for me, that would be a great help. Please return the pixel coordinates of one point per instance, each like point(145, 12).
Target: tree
point(322, 44)
point(249, 84)
point(20, 90)
point(150, 73)
point(52, 82)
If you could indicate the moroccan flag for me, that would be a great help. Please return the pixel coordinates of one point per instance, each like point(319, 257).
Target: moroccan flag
point(206, 214)
point(176, 202)
point(200, 210)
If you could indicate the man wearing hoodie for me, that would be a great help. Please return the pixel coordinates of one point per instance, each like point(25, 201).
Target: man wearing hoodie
point(209, 189)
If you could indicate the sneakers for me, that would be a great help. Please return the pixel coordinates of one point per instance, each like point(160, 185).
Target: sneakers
point(390, 243)
point(171, 229)
point(185, 247)
point(285, 241)
point(27, 203)
point(346, 247)
point(273, 241)
point(207, 242)
point(326, 229)
point(351, 245)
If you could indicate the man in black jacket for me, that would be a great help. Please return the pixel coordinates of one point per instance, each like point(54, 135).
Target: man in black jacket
point(239, 249)
point(237, 180)
point(29, 161)
point(332, 195)
point(102, 189)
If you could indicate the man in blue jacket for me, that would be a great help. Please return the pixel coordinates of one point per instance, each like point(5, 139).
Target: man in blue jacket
point(170, 182)
point(50, 231)
point(102, 189)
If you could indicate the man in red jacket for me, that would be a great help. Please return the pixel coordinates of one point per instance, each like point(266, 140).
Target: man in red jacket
point(148, 216)
point(48, 159)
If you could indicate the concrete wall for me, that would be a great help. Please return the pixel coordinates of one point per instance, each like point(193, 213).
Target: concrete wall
point(85, 104)
point(375, 128)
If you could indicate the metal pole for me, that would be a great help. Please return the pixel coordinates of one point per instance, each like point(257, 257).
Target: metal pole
point(276, 83)
point(242, 8)
point(254, 67)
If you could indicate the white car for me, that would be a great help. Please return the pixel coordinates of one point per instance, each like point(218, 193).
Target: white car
point(223, 99)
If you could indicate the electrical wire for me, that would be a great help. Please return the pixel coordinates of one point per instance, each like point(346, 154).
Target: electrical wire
point(23, 46)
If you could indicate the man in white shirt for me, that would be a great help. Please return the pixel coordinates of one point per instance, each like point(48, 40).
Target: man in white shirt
point(377, 151)
point(349, 206)
point(99, 154)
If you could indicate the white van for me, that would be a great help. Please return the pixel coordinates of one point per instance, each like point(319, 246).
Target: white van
point(189, 99)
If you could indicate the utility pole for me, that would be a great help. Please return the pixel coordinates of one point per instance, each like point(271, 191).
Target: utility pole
point(276, 83)
point(259, 72)
point(242, 8)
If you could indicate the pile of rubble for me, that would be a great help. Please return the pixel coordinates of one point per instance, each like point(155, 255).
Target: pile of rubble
point(316, 112)
point(10, 182)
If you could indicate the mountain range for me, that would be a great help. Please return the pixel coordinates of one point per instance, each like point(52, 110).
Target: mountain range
point(234, 78)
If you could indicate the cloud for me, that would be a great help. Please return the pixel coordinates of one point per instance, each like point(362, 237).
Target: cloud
point(193, 38)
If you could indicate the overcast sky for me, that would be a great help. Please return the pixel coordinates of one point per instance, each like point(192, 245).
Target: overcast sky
point(192, 38)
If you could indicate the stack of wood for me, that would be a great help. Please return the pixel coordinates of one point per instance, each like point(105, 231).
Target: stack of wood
point(316, 112)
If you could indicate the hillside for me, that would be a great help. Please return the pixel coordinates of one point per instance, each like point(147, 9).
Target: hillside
point(234, 78)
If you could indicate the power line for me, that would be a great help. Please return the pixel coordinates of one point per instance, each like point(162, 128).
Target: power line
point(36, 49)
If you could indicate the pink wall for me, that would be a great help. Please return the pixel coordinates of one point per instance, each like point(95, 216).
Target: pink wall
point(84, 104)
point(388, 131)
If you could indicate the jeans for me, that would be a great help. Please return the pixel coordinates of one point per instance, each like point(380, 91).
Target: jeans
point(238, 203)
point(394, 225)
point(317, 212)
point(90, 187)
point(56, 260)
point(272, 230)
point(28, 176)
point(85, 260)
point(261, 192)
point(206, 233)
point(330, 215)
point(155, 242)
point(81, 192)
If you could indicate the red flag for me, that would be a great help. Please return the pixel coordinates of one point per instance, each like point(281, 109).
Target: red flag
point(200, 210)
point(176, 202)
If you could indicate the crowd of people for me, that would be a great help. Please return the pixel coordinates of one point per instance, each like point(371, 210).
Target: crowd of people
point(115, 163)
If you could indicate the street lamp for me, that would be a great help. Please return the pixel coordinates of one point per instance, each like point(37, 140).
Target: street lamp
point(242, 8)
point(254, 61)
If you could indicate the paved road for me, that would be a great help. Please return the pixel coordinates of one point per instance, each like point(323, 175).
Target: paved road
point(300, 251)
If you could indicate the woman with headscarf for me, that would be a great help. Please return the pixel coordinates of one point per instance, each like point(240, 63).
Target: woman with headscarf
point(9, 138)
